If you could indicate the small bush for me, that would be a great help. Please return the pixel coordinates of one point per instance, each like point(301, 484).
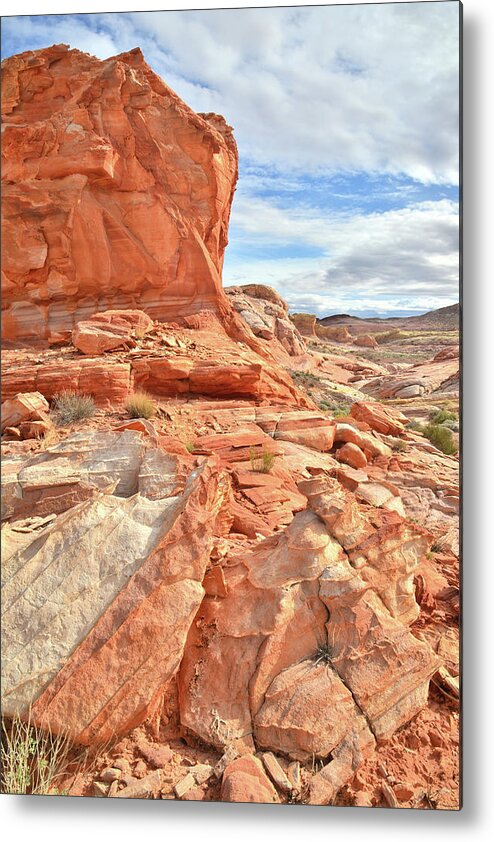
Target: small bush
point(341, 410)
point(140, 405)
point(441, 438)
point(451, 425)
point(33, 761)
point(261, 460)
point(416, 426)
point(336, 409)
point(305, 378)
point(442, 416)
point(69, 406)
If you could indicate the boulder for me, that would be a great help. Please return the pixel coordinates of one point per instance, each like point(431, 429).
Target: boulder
point(98, 605)
point(245, 780)
point(380, 418)
point(27, 406)
point(351, 455)
point(109, 330)
point(266, 313)
point(368, 443)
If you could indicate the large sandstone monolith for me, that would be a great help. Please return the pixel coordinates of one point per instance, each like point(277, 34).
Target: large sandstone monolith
point(116, 195)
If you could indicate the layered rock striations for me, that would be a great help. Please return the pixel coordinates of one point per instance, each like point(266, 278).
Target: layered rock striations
point(115, 193)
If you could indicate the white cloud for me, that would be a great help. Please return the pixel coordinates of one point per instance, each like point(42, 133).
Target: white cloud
point(401, 259)
point(367, 87)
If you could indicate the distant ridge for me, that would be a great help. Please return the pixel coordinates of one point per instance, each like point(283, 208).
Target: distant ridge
point(449, 315)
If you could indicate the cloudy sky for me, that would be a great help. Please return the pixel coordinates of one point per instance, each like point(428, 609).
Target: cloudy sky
point(346, 119)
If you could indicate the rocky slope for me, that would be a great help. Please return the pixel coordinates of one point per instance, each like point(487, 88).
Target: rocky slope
point(252, 593)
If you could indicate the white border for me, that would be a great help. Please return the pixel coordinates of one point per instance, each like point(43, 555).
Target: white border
point(80, 820)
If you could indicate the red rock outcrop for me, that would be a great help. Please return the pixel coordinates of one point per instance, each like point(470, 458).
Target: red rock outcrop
point(365, 340)
point(95, 663)
point(109, 330)
point(267, 316)
point(115, 193)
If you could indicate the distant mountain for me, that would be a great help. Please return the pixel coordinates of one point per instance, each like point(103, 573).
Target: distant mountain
point(444, 317)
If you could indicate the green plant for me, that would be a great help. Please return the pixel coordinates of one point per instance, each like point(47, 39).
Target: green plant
point(451, 425)
point(441, 438)
point(341, 411)
point(190, 446)
point(33, 761)
point(69, 406)
point(140, 405)
point(305, 378)
point(261, 460)
point(416, 426)
point(338, 410)
point(443, 415)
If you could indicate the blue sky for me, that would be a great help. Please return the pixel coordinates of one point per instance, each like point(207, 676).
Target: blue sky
point(346, 119)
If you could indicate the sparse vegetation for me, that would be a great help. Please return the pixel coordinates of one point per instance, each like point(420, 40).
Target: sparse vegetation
point(140, 405)
point(338, 410)
point(305, 378)
point(416, 426)
point(438, 434)
point(442, 416)
point(69, 407)
point(33, 761)
point(441, 438)
point(49, 439)
point(261, 460)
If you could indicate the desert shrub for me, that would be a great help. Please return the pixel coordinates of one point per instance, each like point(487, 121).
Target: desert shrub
point(140, 405)
point(442, 416)
point(341, 410)
point(416, 426)
point(451, 425)
point(261, 460)
point(336, 409)
point(305, 378)
point(69, 407)
point(441, 438)
point(33, 761)
point(388, 336)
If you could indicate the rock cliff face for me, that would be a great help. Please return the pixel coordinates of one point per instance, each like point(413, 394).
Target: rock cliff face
point(115, 193)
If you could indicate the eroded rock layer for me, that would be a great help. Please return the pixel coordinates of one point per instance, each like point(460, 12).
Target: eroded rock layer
point(115, 193)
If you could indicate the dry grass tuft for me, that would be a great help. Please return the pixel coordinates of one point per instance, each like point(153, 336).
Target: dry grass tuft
point(261, 460)
point(69, 406)
point(140, 405)
point(33, 761)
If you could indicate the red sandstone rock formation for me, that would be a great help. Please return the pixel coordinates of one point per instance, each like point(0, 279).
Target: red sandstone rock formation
point(116, 194)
